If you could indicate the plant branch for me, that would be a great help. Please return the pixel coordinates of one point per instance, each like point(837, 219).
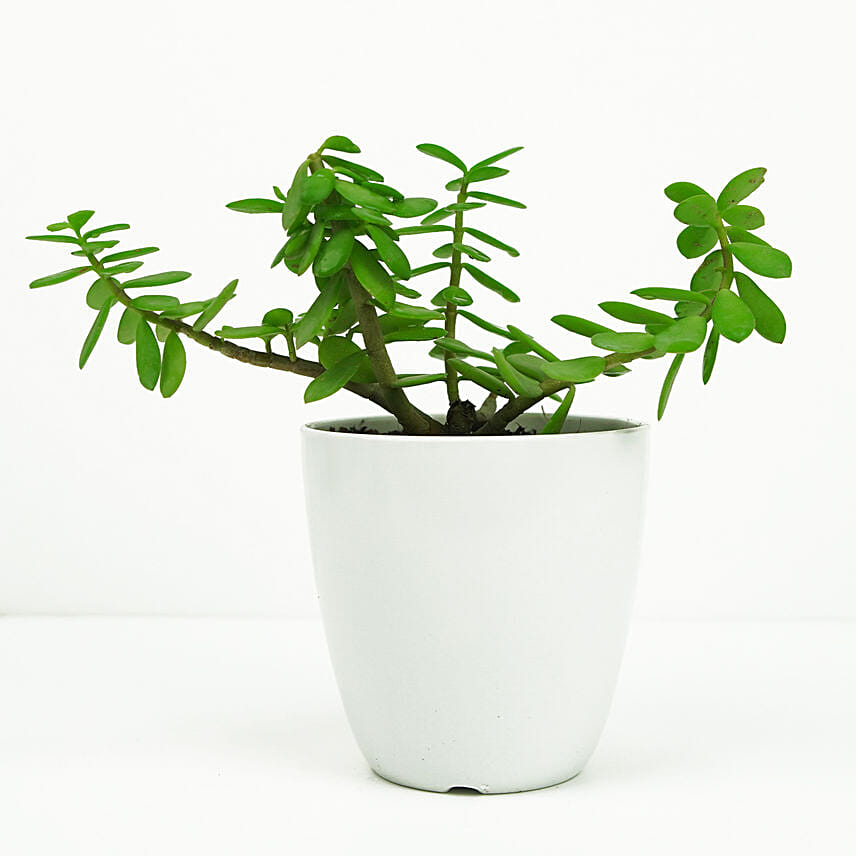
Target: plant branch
point(451, 310)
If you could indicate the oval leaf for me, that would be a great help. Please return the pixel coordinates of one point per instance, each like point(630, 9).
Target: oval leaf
point(633, 314)
point(256, 206)
point(338, 143)
point(334, 378)
point(166, 278)
point(127, 332)
point(489, 282)
point(625, 343)
point(148, 355)
point(763, 259)
point(94, 332)
point(744, 217)
point(681, 190)
point(580, 370)
point(174, 364)
point(740, 187)
point(695, 241)
point(443, 154)
point(732, 317)
point(371, 276)
point(668, 383)
point(698, 211)
point(390, 252)
point(769, 320)
point(656, 293)
point(681, 336)
point(575, 324)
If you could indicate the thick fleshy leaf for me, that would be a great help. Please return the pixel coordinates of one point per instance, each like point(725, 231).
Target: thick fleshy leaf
point(320, 312)
point(740, 187)
point(736, 235)
point(385, 190)
point(485, 325)
point(103, 230)
point(414, 334)
point(413, 206)
point(100, 292)
point(497, 157)
point(763, 259)
point(79, 219)
point(174, 365)
point(127, 332)
point(346, 167)
point(695, 241)
point(414, 313)
point(769, 320)
point(122, 267)
point(519, 382)
point(480, 376)
point(698, 211)
point(256, 206)
point(709, 359)
point(681, 190)
point(681, 336)
point(369, 215)
point(575, 324)
point(62, 276)
point(708, 276)
point(54, 239)
point(428, 268)
point(148, 355)
point(529, 364)
point(166, 278)
point(657, 293)
point(359, 195)
point(423, 230)
point(280, 317)
point(668, 383)
point(310, 250)
point(58, 227)
point(258, 331)
point(334, 378)
point(391, 254)
point(371, 275)
point(490, 240)
point(318, 186)
point(128, 254)
point(338, 143)
point(443, 154)
point(214, 307)
point(732, 317)
point(95, 332)
point(556, 422)
point(455, 346)
point(489, 282)
point(625, 343)
point(155, 302)
point(497, 200)
point(403, 381)
point(185, 310)
point(534, 345)
point(291, 210)
point(633, 314)
point(334, 255)
point(455, 295)
point(744, 217)
point(579, 370)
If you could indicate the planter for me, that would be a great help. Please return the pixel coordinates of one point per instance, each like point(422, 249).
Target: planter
point(476, 593)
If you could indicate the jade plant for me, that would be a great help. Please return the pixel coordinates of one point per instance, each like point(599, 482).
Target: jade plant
point(343, 225)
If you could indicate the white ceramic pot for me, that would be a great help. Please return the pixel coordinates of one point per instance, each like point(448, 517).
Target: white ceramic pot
point(476, 593)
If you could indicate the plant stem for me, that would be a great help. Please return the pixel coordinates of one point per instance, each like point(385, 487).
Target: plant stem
point(451, 310)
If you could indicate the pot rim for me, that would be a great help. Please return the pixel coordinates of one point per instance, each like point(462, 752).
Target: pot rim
point(619, 426)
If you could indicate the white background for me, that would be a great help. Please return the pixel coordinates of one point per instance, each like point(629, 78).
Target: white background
point(115, 501)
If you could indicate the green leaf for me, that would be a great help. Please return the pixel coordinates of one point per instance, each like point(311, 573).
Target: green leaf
point(334, 349)
point(455, 295)
point(708, 276)
point(763, 259)
point(519, 382)
point(443, 154)
point(681, 190)
point(318, 186)
point(740, 187)
point(103, 230)
point(698, 211)
point(313, 244)
point(556, 422)
point(415, 334)
point(155, 302)
point(617, 371)
point(490, 240)
point(479, 376)
point(161, 332)
point(215, 306)
point(742, 236)
point(423, 230)
point(62, 276)
point(127, 332)
point(633, 314)
point(413, 206)
point(428, 268)
point(744, 216)
point(403, 381)
point(335, 253)
point(185, 310)
point(695, 241)
point(166, 278)
point(498, 200)
point(489, 282)
point(436, 216)
point(710, 350)
point(278, 318)
point(338, 143)
point(386, 190)
point(79, 219)
point(54, 239)
point(258, 331)
point(128, 254)
point(123, 267)
point(390, 252)
point(575, 324)
point(99, 293)
point(256, 206)
point(769, 320)
point(472, 252)
point(414, 313)
point(293, 206)
point(497, 157)
point(368, 215)
point(174, 364)
point(533, 345)
point(372, 277)
point(455, 346)
point(359, 195)
point(656, 293)
point(689, 307)
point(320, 312)
point(681, 336)
point(485, 325)
point(334, 378)
point(148, 355)
point(341, 165)
point(580, 370)
point(668, 383)
point(95, 332)
point(57, 227)
point(482, 173)
point(732, 317)
point(625, 343)
point(529, 364)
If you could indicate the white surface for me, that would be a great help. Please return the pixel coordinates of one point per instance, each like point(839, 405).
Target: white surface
point(494, 670)
point(159, 114)
point(178, 736)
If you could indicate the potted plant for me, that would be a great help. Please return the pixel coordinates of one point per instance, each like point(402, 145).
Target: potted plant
point(475, 568)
